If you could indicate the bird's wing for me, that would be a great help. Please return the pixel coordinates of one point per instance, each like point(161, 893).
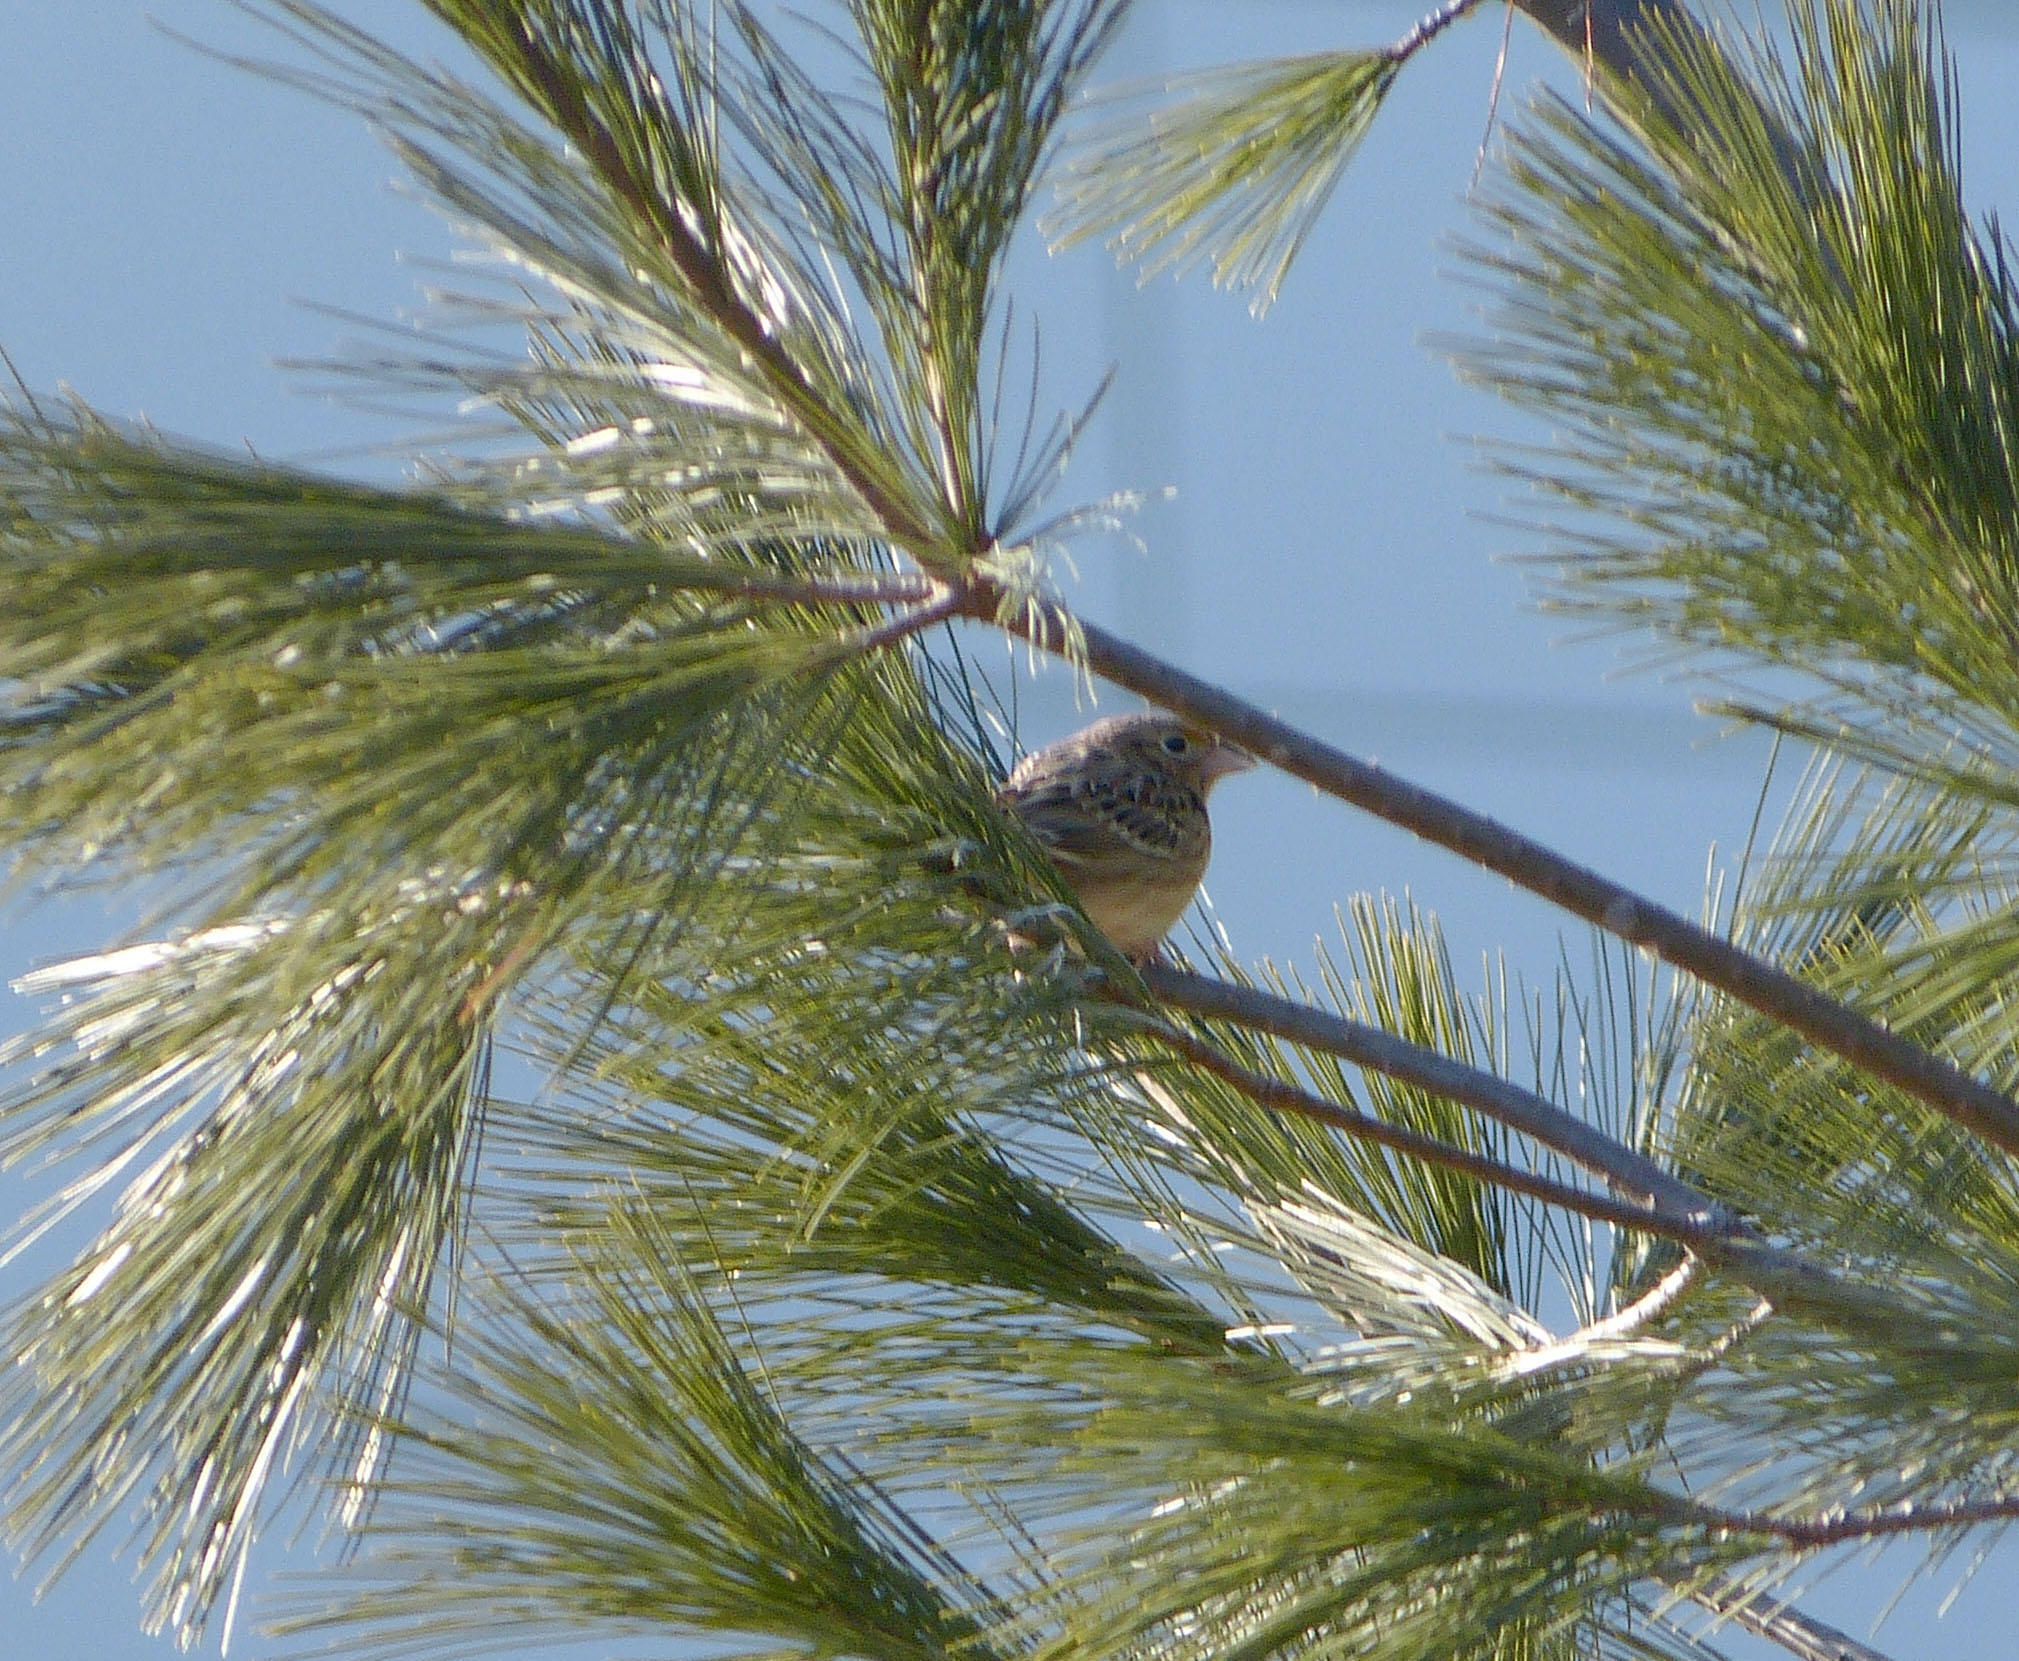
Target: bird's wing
point(1102, 813)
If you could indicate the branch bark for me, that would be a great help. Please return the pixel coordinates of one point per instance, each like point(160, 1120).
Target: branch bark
point(1877, 1523)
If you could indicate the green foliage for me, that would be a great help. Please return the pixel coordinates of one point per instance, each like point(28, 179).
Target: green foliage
point(924, 1309)
point(1235, 171)
point(473, 759)
point(1833, 1162)
point(1783, 363)
point(911, 1204)
point(559, 704)
point(872, 1271)
point(630, 1466)
point(971, 94)
point(1779, 361)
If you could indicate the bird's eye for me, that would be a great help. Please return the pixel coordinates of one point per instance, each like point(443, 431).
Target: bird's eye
point(1177, 744)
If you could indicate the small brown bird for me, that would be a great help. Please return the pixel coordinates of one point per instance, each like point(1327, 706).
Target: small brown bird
point(1121, 808)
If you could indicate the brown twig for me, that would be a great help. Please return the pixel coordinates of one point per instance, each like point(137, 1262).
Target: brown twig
point(1875, 1523)
point(905, 624)
point(1282, 1097)
point(1534, 1116)
point(1788, 1280)
point(1428, 28)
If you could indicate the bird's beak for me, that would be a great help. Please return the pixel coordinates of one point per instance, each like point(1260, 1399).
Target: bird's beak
point(1224, 758)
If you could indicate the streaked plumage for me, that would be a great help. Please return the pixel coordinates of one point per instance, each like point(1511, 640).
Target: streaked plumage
point(1121, 808)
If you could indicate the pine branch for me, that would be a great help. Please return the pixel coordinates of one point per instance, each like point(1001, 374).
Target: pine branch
point(1431, 25)
point(1824, 1021)
point(1786, 1279)
point(935, 607)
point(947, 538)
point(1280, 1097)
point(1232, 167)
point(1884, 1522)
point(711, 291)
point(1382, 1052)
point(1605, 904)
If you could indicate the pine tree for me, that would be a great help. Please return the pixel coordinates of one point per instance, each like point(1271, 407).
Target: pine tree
point(885, 1267)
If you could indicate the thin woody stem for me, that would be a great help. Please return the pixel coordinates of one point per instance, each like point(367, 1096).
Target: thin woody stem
point(1810, 1534)
point(1428, 28)
point(1282, 1097)
point(1877, 1523)
point(1781, 1276)
point(1533, 1116)
point(905, 624)
point(895, 588)
point(1821, 1019)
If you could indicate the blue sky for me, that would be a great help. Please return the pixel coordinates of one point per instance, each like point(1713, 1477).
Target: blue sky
point(1327, 550)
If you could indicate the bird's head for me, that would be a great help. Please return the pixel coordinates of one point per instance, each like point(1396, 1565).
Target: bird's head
point(1166, 744)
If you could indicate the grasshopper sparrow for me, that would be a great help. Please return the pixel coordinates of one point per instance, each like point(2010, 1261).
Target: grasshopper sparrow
point(1121, 809)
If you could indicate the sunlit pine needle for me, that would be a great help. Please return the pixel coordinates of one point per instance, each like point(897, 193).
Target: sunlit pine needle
point(1493, 102)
